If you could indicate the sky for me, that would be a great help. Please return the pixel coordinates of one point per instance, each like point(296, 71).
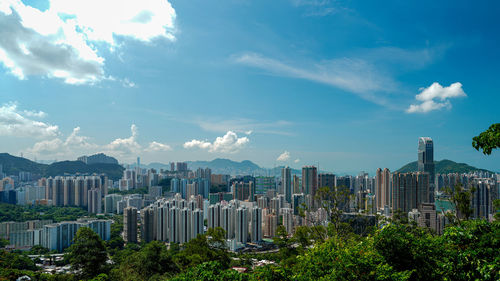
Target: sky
point(346, 85)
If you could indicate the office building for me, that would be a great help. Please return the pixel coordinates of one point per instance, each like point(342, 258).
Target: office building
point(426, 162)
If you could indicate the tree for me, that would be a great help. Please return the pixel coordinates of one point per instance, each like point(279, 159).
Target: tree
point(461, 199)
point(150, 262)
point(488, 140)
point(471, 251)
point(88, 253)
point(210, 246)
point(411, 249)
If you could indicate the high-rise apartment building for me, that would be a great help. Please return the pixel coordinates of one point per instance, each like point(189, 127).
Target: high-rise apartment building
point(94, 201)
point(382, 188)
point(409, 190)
point(130, 225)
point(309, 180)
point(241, 232)
point(286, 182)
point(256, 223)
point(426, 162)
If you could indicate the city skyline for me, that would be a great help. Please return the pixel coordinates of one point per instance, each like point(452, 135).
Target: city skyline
point(243, 85)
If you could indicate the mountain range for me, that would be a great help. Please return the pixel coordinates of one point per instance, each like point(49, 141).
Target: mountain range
point(12, 165)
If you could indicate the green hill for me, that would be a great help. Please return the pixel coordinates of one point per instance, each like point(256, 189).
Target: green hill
point(12, 165)
point(442, 167)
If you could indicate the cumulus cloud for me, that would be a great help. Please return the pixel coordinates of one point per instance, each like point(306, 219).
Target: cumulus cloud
point(76, 144)
point(59, 147)
point(156, 146)
point(296, 161)
point(436, 97)
point(23, 123)
point(126, 145)
point(229, 143)
point(285, 156)
point(62, 42)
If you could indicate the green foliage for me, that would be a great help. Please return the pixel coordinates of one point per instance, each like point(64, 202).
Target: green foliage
point(149, 263)
point(410, 249)
point(210, 271)
point(340, 259)
point(210, 246)
point(472, 251)
point(461, 200)
point(88, 253)
point(488, 140)
point(9, 212)
point(15, 261)
point(38, 250)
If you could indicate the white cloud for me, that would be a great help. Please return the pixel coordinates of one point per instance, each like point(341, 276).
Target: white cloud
point(62, 42)
point(436, 97)
point(285, 156)
point(296, 161)
point(57, 147)
point(14, 122)
point(229, 143)
point(156, 146)
point(76, 144)
point(353, 75)
point(126, 146)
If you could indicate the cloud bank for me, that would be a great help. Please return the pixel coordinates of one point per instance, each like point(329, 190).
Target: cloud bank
point(62, 42)
point(436, 97)
point(24, 123)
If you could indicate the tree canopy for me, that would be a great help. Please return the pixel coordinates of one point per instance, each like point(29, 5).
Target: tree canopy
point(488, 140)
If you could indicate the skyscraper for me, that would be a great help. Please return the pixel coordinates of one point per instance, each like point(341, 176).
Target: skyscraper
point(426, 162)
point(241, 225)
point(309, 180)
point(286, 180)
point(130, 224)
point(256, 221)
point(382, 188)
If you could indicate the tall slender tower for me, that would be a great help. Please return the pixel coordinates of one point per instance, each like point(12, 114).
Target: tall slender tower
point(286, 179)
point(426, 162)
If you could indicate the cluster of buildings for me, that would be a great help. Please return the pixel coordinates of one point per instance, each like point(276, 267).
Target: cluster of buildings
point(53, 236)
point(250, 208)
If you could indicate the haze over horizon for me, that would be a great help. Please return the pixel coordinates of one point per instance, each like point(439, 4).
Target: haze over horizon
point(348, 85)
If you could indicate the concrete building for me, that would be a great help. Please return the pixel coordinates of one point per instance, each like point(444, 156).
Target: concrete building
point(130, 225)
point(309, 180)
point(256, 224)
point(426, 162)
point(286, 182)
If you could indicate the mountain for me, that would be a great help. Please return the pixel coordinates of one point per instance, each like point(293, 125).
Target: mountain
point(224, 166)
point(12, 165)
point(442, 167)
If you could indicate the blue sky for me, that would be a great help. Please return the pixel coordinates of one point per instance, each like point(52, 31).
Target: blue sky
point(330, 83)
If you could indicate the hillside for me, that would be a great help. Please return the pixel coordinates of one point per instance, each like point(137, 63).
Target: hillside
point(442, 167)
point(12, 165)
